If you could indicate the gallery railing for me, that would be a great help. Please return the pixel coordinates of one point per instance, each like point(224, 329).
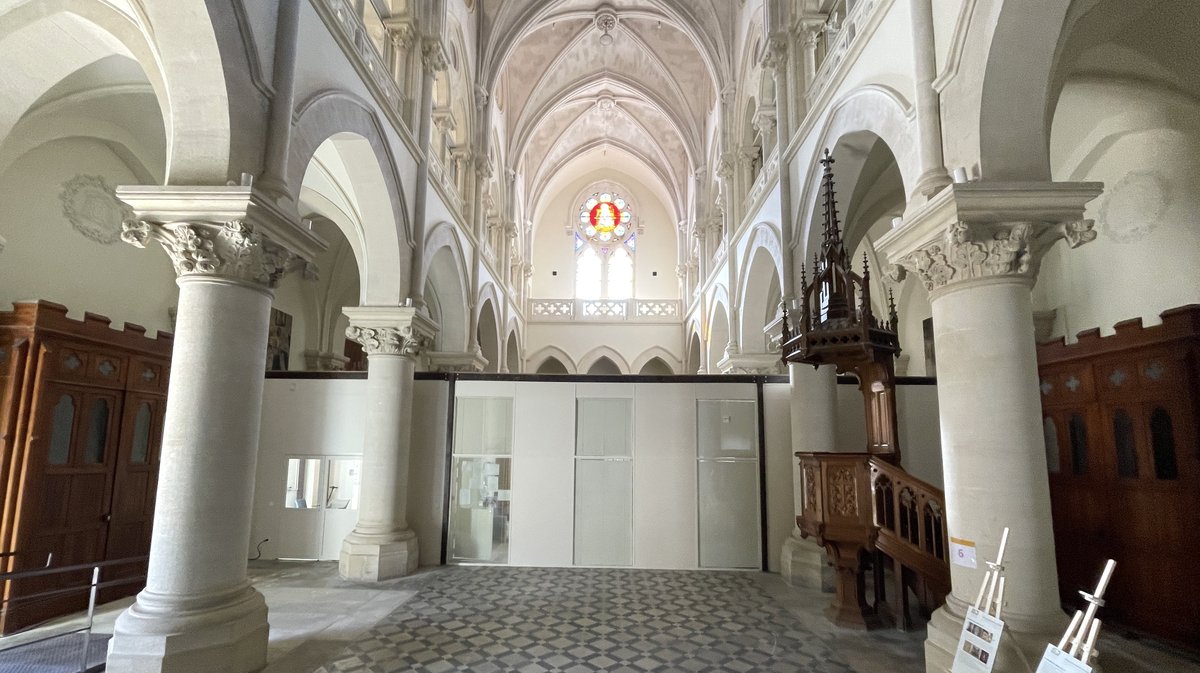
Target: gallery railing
point(603, 310)
point(365, 38)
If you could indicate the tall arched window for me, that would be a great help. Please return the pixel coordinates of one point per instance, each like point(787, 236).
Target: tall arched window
point(604, 247)
point(589, 277)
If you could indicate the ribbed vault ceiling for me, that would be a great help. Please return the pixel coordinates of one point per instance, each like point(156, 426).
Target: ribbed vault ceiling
point(644, 88)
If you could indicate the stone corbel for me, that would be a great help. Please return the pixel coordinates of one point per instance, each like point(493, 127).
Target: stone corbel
point(231, 232)
point(456, 362)
point(390, 330)
point(433, 56)
point(751, 363)
point(985, 230)
point(444, 120)
point(403, 30)
point(764, 121)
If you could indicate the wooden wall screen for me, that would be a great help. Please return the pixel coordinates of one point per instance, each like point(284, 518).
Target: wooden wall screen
point(81, 415)
point(1120, 417)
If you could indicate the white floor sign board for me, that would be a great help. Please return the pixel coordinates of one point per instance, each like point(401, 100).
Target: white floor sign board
point(1057, 661)
point(978, 644)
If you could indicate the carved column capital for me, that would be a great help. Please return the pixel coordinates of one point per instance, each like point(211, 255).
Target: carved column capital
point(387, 330)
point(764, 121)
point(988, 230)
point(222, 232)
point(775, 53)
point(233, 249)
point(433, 56)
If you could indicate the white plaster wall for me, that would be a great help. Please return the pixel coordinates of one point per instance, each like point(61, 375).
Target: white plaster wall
point(917, 416)
point(554, 249)
point(46, 258)
point(578, 339)
point(1144, 145)
point(290, 298)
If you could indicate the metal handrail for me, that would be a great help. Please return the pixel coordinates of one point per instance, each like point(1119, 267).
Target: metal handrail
point(92, 587)
point(22, 574)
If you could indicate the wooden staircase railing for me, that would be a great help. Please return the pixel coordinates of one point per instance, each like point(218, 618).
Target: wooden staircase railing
point(855, 502)
point(910, 516)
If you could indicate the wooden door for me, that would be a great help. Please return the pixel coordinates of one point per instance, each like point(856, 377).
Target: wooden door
point(1154, 493)
point(66, 491)
point(135, 481)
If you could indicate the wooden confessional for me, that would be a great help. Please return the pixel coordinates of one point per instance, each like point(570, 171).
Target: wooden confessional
point(859, 503)
point(81, 411)
point(1121, 415)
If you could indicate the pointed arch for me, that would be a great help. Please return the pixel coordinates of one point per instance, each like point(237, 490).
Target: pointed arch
point(539, 358)
point(659, 352)
point(590, 358)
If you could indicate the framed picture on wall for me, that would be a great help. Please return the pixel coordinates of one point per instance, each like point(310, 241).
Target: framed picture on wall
point(930, 354)
point(279, 341)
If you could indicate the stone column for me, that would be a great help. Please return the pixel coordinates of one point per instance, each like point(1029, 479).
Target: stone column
point(976, 247)
point(198, 612)
point(814, 428)
point(929, 115)
point(381, 546)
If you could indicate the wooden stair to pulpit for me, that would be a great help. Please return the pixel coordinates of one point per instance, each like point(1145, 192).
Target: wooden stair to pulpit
point(862, 505)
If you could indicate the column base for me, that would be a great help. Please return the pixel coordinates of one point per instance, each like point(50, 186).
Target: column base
point(1020, 651)
point(803, 563)
point(371, 559)
point(163, 634)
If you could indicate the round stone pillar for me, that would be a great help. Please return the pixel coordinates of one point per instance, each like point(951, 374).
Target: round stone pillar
point(198, 612)
point(814, 428)
point(976, 247)
point(381, 546)
point(993, 453)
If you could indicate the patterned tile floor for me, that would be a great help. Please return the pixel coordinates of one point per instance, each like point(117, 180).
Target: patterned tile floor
point(578, 620)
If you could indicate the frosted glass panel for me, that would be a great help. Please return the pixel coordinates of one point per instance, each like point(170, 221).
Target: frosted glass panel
point(727, 428)
point(60, 433)
point(303, 484)
point(481, 490)
point(483, 426)
point(141, 434)
point(729, 526)
point(603, 512)
point(345, 479)
point(97, 434)
point(603, 427)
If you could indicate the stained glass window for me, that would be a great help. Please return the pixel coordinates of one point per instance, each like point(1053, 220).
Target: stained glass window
point(604, 241)
point(606, 218)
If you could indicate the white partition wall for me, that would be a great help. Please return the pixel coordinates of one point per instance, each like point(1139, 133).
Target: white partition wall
point(320, 420)
point(609, 474)
point(664, 481)
point(543, 473)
